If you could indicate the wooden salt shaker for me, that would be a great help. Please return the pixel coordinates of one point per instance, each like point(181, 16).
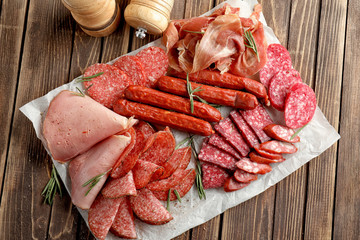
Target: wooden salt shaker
point(98, 18)
point(150, 16)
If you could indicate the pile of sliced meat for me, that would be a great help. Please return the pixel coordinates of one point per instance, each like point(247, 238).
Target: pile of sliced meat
point(244, 145)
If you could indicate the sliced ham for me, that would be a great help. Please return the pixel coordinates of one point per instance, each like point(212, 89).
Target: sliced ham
point(99, 159)
point(73, 124)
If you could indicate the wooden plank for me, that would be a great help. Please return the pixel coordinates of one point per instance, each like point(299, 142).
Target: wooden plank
point(254, 218)
point(44, 66)
point(347, 204)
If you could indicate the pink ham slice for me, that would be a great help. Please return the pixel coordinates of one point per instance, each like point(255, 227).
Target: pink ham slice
point(93, 162)
point(73, 124)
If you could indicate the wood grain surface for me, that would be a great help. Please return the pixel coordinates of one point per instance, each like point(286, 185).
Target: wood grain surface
point(43, 48)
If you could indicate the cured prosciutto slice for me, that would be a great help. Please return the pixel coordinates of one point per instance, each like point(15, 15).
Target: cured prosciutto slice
point(73, 124)
point(99, 159)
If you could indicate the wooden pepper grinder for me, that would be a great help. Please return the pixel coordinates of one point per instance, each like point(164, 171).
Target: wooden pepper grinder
point(98, 18)
point(148, 16)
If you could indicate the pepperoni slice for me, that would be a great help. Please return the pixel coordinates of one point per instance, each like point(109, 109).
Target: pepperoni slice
point(118, 187)
point(143, 172)
point(165, 184)
point(124, 225)
point(275, 146)
point(132, 67)
point(267, 154)
point(278, 59)
point(107, 87)
point(281, 133)
point(280, 85)
point(213, 176)
point(242, 176)
point(231, 185)
point(148, 208)
point(300, 105)
point(261, 159)
point(210, 154)
point(179, 157)
point(218, 141)
point(253, 167)
point(247, 133)
point(155, 63)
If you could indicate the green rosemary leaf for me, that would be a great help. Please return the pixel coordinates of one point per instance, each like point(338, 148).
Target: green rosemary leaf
point(80, 93)
point(297, 132)
point(183, 142)
point(250, 43)
point(89, 78)
point(177, 195)
point(168, 201)
point(52, 187)
point(93, 181)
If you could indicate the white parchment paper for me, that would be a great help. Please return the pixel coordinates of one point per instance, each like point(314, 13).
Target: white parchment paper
point(316, 137)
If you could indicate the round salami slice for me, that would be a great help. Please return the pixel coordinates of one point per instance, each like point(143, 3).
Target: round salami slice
point(107, 87)
point(231, 184)
point(155, 63)
point(275, 146)
point(133, 68)
point(213, 176)
point(278, 59)
point(300, 105)
point(281, 133)
point(280, 85)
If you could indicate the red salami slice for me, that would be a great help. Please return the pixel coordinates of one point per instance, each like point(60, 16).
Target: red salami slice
point(228, 130)
point(132, 67)
point(260, 159)
point(278, 59)
point(124, 225)
point(247, 133)
point(143, 171)
point(159, 147)
point(179, 156)
point(213, 176)
point(172, 181)
point(268, 155)
point(257, 119)
point(231, 185)
point(155, 63)
point(102, 214)
point(280, 85)
point(275, 146)
point(217, 141)
point(281, 133)
point(118, 187)
point(242, 176)
point(148, 208)
point(183, 188)
point(107, 87)
point(210, 154)
point(253, 167)
point(300, 105)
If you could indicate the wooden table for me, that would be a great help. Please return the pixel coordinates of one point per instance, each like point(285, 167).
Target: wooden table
point(42, 48)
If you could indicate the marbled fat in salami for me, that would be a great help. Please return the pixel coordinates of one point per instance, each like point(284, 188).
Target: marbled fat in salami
point(143, 172)
point(118, 187)
point(213, 176)
point(281, 133)
point(247, 133)
point(132, 67)
point(211, 154)
point(218, 141)
point(167, 183)
point(107, 87)
point(124, 225)
point(253, 167)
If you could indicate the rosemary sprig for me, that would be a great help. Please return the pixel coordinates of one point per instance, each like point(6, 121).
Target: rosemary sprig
point(177, 195)
point(297, 132)
point(191, 92)
point(183, 142)
point(198, 178)
point(168, 201)
point(193, 31)
point(89, 78)
point(93, 181)
point(79, 93)
point(52, 187)
point(250, 43)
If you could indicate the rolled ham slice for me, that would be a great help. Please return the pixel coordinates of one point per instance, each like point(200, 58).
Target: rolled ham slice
point(73, 124)
point(99, 159)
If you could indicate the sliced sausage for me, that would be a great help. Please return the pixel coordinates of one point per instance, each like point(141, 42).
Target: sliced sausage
point(220, 142)
point(253, 167)
point(165, 184)
point(124, 225)
point(246, 132)
point(255, 157)
point(179, 157)
point(213, 176)
point(143, 171)
point(242, 176)
point(231, 184)
point(276, 146)
point(281, 133)
point(118, 187)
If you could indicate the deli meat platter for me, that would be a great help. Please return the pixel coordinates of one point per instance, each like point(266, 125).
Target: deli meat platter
point(167, 137)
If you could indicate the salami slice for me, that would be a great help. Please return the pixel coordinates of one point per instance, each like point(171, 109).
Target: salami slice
point(278, 59)
point(257, 119)
point(261, 159)
point(218, 141)
point(268, 155)
point(242, 176)
point(102, 214)
point(276, 146)
point(183, 188)
point(280, 85)
point(210, 154)
point(159, 147)
point(107, 87)
point(253, 167)
point(148, 208)
point(231, 185)
point(281, 133)
point(179, 156)
point(247, 133)
point(132, 67)
point(165, 184)
point(213, 176)
point(155, 63)
point(124, 225)
point(300, 105)
point(228, 130)
point(118, 187)
point(143, 171)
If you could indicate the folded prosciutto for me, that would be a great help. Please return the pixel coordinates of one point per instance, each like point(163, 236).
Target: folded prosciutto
point(217, 41)
point(97, 160)
point(73, 124)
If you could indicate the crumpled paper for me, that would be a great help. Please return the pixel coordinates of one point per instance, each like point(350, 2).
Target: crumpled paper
point(316, 137)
